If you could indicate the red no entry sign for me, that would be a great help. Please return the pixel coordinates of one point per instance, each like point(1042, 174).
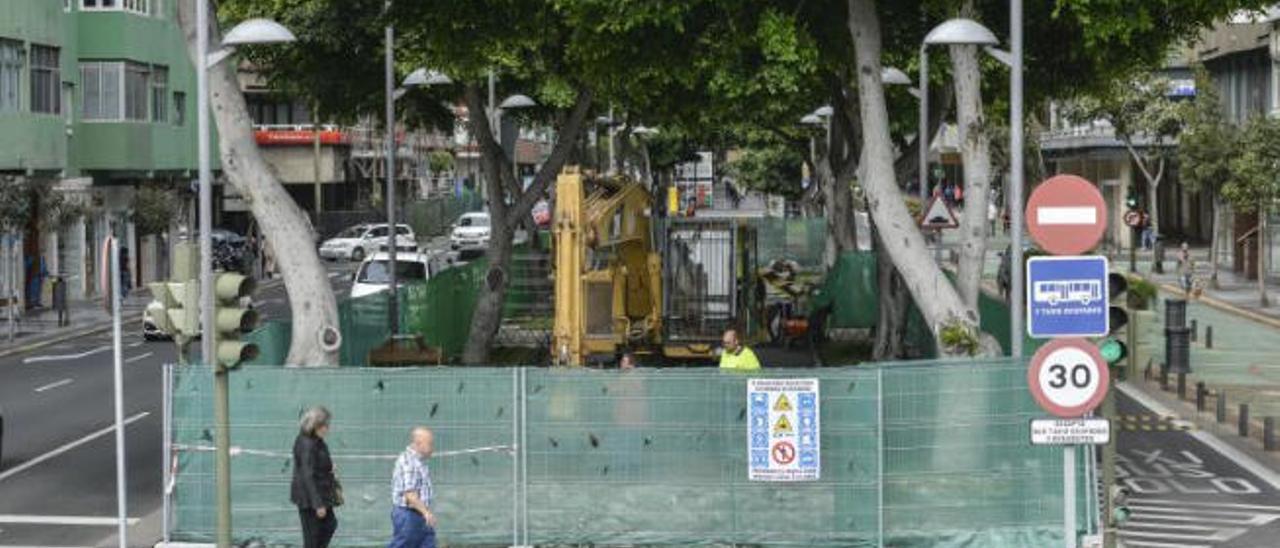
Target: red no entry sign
point(1068, 377)
point(1066, 215)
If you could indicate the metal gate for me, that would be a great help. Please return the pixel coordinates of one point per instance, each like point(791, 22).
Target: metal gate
point(699, 280)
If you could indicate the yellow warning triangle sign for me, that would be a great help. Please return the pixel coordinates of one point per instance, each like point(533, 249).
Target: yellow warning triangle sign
point(783, 426)
point(782, 403)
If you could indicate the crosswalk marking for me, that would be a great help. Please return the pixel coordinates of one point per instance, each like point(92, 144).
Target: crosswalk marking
point(1166, 523)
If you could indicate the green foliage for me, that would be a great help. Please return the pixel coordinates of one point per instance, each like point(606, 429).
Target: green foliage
point(1141, 292)
point(440, 161)
point(959, 338)
point(154, 206)
point(1255, 180)
point(769, 167)
point(1210, 143)
point(1135, 106)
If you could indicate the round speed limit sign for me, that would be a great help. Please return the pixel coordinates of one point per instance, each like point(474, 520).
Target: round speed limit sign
point(1068, 377)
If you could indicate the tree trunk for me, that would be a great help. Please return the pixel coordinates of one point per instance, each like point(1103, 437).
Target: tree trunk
point(936, 298)
point(284, 225)
point(1215, 245)
point(1262, 257)
point(975, 149)
point(892, 298)
point(506, 217)
point(837, 197)
point(1153, 186)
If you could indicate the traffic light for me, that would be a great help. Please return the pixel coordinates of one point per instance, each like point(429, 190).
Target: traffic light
point(1131, 199)
point(1112, 348)
point(231, 319)
point(1120, 511)
point(175, 308)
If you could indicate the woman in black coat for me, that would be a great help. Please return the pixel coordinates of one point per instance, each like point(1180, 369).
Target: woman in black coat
point(315, 488)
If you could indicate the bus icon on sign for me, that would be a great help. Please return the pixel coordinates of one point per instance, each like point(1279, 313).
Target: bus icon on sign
point(1067, 291)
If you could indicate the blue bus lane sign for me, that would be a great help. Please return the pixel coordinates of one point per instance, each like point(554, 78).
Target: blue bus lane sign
point(1067, 296)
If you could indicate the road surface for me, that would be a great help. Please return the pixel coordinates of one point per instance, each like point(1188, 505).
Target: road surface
point(1191, 490)
point(57, 478)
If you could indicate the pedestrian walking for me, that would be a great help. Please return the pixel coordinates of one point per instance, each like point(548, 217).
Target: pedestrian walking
point(735, 355)
point(1186, 267)
point(60, 300)
point(413, 521)
point(315, 489)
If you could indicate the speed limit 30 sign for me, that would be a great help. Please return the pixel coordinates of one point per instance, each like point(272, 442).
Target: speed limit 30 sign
point(1068, 377)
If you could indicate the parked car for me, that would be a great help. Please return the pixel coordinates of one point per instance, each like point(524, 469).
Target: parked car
point(374, 273)
point(150, 330)
point(471, 231)
point(363, 240)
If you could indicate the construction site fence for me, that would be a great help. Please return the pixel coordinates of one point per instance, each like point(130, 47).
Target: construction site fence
point(429, 217)
point(439, 310)
point(913, 454)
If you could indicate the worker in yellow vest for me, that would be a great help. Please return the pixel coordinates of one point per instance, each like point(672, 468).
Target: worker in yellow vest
point(737, 356)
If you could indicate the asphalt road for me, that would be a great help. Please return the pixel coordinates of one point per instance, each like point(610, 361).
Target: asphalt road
point(57, 477)
point(1188, 493)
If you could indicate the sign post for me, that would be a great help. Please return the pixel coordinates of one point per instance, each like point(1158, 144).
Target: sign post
point(1067, 297)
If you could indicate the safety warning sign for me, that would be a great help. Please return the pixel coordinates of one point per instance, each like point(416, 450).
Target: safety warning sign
point(783, 432)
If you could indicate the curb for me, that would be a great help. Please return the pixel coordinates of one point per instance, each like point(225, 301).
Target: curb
point(91, 330)
point(1219, 304)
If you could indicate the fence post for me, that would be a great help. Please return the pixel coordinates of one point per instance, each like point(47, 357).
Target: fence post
point(1222, 406)
point(1244, 420)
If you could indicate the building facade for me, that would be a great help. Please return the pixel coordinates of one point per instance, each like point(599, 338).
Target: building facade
point(96, 98)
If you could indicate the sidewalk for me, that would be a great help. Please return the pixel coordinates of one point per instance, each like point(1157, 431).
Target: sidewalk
point(38, 327)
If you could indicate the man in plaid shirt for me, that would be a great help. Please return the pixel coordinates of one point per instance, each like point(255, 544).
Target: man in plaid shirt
point(411, 494)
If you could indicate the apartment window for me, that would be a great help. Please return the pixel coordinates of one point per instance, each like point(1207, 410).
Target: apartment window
point(137, 6)
point(135, 91)
point(10, 75)
point(159, 94)
point(115, 90)
point(179, 108)
point(46, 78)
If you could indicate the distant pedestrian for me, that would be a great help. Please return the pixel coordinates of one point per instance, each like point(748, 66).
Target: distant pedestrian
point(60, 300)
point(1186, 267)
point(412, 495)
point(735, 355)
point(125, 279)
point(992, 213)
point(315, 489)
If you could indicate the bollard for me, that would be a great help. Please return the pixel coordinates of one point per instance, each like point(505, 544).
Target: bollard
point(1175, 313)
point(1182, 386)
point(1222, 406)
point(1195, 328)
point(1208, 336)
point(1244, 420)
point(1269, 434)
point(1164, 379)
point(1200, 393)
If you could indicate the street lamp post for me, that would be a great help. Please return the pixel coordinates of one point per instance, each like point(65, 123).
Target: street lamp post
point(510, 103)
point(253, 31)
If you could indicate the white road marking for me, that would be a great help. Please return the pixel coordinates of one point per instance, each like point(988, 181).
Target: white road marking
point(136, 344)
point(139, 357)
point(1145, 544)
point(1084, 215)
point(1245, 461)
point(1211, 504)
point(64, 357)
point(53, 385)
point(69, 446)
point(20, 519)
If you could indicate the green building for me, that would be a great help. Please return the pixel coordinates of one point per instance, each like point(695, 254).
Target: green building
point(97, 98)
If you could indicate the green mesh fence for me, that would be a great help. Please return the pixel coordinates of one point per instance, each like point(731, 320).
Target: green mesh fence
point(434, 216)
point(440, 310)
point(802, 240)
point(912, 456)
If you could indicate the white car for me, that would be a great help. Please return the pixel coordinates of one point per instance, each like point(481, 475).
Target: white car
point(471, 231)
point(361, 241)
point(372, 277)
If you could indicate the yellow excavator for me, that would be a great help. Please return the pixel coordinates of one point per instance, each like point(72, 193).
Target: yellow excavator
point(627, 279)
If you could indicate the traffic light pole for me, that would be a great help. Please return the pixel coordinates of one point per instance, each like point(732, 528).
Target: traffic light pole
point(1109, 468)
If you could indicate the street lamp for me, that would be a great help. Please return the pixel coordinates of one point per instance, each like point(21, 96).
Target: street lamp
point(420, 77)
point(512, 102)
point(252, 31)
point(644, 132)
